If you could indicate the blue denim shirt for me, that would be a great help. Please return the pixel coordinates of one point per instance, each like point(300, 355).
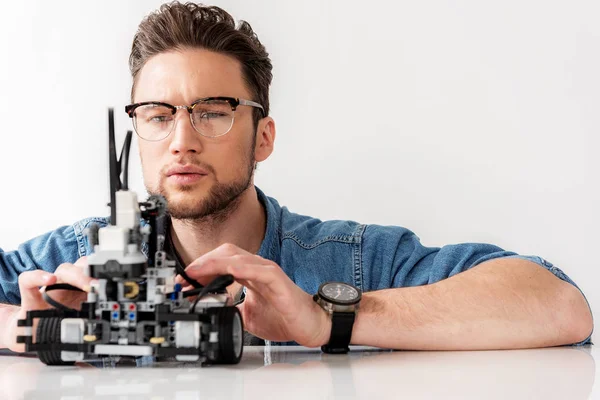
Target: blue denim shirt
point(310, 251)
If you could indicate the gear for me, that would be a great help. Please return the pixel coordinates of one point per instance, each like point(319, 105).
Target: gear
point(158, 202)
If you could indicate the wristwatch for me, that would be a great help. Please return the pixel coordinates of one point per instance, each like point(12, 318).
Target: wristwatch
point(341, 301)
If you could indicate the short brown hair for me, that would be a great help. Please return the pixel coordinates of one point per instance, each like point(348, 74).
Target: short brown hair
point(176, 26)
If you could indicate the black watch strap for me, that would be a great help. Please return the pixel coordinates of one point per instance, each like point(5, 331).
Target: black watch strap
point(341, 332)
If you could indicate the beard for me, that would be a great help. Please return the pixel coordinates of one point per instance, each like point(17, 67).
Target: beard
point(220, 202)
point(217, 205)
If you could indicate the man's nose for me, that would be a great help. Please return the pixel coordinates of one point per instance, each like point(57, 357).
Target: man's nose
point(184, 137)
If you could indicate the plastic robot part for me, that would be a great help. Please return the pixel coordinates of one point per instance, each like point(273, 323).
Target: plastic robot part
point(134, 308)
point(132, 289)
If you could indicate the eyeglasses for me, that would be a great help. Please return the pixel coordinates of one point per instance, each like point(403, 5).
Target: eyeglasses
point(210, 116)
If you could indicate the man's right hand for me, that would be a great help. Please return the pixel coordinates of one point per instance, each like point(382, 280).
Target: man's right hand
point(31, 296)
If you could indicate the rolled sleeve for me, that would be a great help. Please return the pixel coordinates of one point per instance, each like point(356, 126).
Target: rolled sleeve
point(45, 252)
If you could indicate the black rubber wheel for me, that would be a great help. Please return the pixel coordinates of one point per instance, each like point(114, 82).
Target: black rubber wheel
point(48, 331)
point(227, 321)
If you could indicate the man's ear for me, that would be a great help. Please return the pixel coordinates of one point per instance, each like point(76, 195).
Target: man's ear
point(265, 139)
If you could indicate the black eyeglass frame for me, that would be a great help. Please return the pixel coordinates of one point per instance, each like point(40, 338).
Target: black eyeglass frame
point(234, 102)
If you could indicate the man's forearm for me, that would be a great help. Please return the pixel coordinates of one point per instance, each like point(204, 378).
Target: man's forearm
point(8, 313)
point(501, 304)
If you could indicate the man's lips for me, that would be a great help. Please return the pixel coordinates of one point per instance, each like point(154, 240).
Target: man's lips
point(185, 174)
point(186, 170)
point(185, 179)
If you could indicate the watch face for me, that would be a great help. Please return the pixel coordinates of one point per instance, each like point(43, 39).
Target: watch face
point(338, 292)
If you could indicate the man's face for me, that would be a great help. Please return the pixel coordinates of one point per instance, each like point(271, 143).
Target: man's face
point(180, 78)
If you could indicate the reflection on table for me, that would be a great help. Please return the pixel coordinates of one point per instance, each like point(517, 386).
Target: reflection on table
point(301, 373)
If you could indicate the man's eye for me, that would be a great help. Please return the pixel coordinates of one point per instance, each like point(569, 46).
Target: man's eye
point(211, 115)
point(159, 118)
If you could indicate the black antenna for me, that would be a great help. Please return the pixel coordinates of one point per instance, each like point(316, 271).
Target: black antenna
point(115, 183)
point(124, 161)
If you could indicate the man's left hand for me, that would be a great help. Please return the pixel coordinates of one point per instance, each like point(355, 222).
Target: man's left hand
point(274, 307)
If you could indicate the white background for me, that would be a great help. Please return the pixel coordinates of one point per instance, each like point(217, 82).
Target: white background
point(465, 121)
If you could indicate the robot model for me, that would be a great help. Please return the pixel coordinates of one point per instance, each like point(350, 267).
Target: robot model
point(135, 308)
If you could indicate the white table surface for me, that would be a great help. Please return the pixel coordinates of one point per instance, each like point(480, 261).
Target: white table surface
point(300, 373)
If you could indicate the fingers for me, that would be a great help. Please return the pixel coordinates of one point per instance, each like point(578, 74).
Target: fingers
point(257, 273)
point(264, 278)
point(248, 269)
point(179, 279)
point(73, 274)
point(226, 250)
point(29, 283)
point(216, 265)
point(82, 262)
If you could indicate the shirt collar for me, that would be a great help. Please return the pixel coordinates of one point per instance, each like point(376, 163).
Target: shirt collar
point(270, 247)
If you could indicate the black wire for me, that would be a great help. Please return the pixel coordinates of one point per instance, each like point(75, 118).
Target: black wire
point(220, 282)
point(185, 276)
point(241, 300)
point(192, 292)
point(178, 261)
point(59, 286)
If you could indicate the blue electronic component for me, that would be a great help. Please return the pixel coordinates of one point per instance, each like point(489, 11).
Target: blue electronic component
point(175, 293)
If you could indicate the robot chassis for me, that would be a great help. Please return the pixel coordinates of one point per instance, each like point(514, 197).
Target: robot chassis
point(135, 309)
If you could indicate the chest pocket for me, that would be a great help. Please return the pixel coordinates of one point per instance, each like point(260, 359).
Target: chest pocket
point(332, 259)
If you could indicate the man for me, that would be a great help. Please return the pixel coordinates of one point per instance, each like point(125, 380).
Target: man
point(200, 107)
